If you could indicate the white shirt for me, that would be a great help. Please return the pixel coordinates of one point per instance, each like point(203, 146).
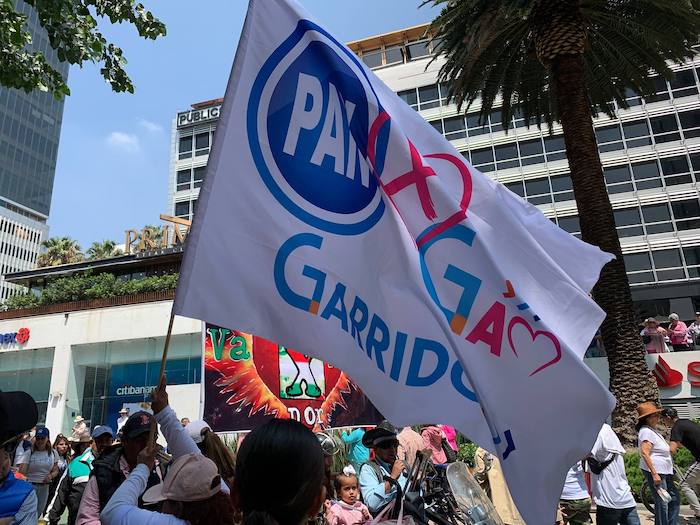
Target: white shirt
point(575, 485)
point(40, 464)
point(610, 487)
point(121, 421)
point(660, 451)
point(22, 455)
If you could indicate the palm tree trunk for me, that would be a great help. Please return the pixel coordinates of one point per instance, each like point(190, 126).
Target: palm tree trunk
point(630, 380)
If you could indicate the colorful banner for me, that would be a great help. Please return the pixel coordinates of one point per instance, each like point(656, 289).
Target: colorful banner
point(249, 379)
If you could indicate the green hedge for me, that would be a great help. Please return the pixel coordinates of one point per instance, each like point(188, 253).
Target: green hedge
point(88, 287)
point(683, 458)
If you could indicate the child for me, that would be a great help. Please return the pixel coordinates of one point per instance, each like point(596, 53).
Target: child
point(348, 510)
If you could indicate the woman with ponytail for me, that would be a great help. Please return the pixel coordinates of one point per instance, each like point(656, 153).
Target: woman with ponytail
point(279, 475)
point(212, 447)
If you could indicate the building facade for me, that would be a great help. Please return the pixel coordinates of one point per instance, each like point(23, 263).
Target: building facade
point(30, 128)
point(650, 154)
point(191, 139)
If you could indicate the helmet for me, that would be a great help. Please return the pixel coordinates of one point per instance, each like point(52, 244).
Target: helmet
point(329, 445)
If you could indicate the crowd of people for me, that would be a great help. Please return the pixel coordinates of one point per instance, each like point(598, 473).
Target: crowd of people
point(127, 479)
point(676, 336)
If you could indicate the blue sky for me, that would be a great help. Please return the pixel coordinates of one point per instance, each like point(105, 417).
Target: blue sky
point(114, 153)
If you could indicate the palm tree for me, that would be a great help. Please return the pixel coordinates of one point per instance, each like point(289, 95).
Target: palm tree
point(553, 61)
point(103, 250)
point(59, 250)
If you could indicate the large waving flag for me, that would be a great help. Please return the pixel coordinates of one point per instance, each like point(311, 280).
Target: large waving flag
point(336, 221)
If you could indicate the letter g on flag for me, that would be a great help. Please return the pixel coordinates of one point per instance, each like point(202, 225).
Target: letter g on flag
point(308, 121)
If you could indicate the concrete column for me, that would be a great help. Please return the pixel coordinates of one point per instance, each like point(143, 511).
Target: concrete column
point(55, 413)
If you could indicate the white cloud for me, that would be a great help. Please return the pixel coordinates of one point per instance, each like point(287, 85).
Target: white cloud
point(151, 127)
point(124, 141)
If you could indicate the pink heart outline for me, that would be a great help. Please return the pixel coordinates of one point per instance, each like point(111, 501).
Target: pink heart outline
point(534, 334)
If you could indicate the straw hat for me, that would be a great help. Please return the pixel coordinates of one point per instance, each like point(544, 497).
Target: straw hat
point(647, 409)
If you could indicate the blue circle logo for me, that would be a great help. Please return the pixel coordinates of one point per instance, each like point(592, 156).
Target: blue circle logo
point(309, 117)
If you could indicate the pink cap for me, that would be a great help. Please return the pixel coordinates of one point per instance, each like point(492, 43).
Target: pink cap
point(192, 477)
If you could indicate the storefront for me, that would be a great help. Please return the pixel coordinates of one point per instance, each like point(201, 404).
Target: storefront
point(93, 362)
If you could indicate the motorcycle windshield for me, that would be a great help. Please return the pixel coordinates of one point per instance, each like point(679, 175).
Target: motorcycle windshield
point(476, 506)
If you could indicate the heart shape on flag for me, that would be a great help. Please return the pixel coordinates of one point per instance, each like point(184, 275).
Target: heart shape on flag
point(534, 334)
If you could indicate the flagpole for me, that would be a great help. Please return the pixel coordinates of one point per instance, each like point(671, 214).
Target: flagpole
point(161, 373)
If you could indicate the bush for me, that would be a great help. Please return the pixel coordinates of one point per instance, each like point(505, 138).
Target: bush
point(466, 453)
point(683, 458)
point(90, 287)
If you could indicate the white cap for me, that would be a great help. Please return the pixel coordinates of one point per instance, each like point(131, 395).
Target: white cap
point(195, 430)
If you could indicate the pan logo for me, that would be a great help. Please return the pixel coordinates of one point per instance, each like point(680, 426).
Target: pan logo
point(309, 117)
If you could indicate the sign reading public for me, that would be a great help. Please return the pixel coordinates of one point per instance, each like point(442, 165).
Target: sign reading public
point(361, 237)
point(249, 379)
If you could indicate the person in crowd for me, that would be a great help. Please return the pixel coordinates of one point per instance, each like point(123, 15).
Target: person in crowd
point(185, 421)
point(410, 443)
point(121, 420)
point(357, 452)
point(63, 456)
point(79, 427)
point(192, 491)
point(653, 337)
point(678, 333)
point(285, 446)
point(24, 450)
point(488, 468)
point(432, 440)
point(212, 447)
point(348, 509)
point(656, 464)
point(613, 497)
point(72, 484)
point(377, 493)
point(330, 448)
point(694, 331)
point(112, 467)
point(451, 435)
point(18, 501)
point(686, 433)
point(575, 503)
point(42, 467)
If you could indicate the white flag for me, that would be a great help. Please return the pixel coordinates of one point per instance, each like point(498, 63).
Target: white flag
point(336, 221)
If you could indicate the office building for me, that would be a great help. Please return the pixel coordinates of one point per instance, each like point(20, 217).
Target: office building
point(30, 127)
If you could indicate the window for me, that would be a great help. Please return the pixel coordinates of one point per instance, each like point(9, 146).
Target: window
point(609, 138)
point(437, 124)
point(183, 180)
point(394, 54)
point(182, 209)
point(632, 97)
point(474, 126)
point(538, 191)
point(616, 174)
point(202, 144)
point(628, 222)
point(633, 131)
point(198, 176)
point(185, 149)
point(516, 187)
point(569, 224)
point(496, 119)
point(555, 148)
point(690, 122)
point(658, 214)
point(676, 170)
point(683, 84)
point(417, 50)
point(686, 214)
point(506, 156)
point(429, 97)
point(531, 152)
point(665, 128)
point(635, 262)
point(455, 128)
point(483, 159)
point(561, 187)
point(661, 90)
point(409, 97)
point(692, 255)
point(667, 258)
point(372, 58)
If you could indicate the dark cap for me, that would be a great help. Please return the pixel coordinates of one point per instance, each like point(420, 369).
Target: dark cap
point(18, 413)
point(42, 432)
point(384, 431)
point(101, 430)
point(137, 424)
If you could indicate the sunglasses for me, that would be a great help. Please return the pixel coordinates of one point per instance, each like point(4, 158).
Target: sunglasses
point(387, 444)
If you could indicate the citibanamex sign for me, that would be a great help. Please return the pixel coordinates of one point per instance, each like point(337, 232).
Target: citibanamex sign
point(19, 337)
